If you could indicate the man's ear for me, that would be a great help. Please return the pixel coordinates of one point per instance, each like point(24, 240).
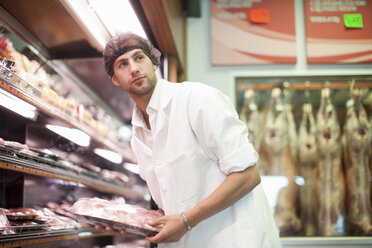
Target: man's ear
point(115, 81)
point(155, 67)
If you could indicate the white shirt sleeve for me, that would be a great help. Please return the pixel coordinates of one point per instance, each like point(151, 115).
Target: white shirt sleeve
point(218, 129)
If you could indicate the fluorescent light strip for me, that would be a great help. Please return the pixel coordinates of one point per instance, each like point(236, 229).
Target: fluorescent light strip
point(80, 10)
point(75, 135)
point(118, 16)
point(109, 155)
point(17, 105)
point(131, 167)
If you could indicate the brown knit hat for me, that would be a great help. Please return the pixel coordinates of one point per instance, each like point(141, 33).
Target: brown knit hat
point(124, 42)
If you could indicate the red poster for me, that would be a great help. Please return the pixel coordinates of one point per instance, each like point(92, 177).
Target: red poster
point(338, 31)
point(253, 32)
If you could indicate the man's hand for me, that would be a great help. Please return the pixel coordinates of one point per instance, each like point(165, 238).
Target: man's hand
point(173, 229)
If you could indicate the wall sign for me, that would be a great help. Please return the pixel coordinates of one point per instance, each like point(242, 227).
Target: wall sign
point(338, 31)
point(253, 32)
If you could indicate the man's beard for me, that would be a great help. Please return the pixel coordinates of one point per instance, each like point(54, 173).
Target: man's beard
point(142, 88)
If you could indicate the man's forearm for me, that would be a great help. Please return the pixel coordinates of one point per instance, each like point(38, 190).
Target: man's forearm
point(235, 186)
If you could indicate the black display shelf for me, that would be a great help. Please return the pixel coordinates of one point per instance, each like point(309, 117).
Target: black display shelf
point(16, 160)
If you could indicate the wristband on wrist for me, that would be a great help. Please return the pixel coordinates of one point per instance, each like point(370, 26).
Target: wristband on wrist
point(185, 221)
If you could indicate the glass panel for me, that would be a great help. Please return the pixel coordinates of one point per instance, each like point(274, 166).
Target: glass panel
point(313, 135)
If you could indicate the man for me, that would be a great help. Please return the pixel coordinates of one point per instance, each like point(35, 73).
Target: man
point(194, 154)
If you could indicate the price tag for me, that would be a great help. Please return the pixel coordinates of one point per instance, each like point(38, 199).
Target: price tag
point(353, 20)
point(259, 16)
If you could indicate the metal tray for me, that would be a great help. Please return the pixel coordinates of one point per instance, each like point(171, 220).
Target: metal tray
point(116, 225)
point(21, 216)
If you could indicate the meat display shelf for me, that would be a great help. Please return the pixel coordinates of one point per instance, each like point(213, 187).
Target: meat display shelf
point(36, 97)
point(346, 241)
point(30, 237)
point(16, 160)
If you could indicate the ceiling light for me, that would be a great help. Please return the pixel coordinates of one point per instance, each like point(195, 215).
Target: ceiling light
point(109, 155)
point(91, 25)
point(118, 16)
point(75, 135)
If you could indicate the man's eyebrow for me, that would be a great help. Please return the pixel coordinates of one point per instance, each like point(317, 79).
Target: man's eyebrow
point(137, 53)
point(133, 55)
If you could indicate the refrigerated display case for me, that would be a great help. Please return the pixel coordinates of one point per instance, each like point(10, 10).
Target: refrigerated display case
point(55, 134)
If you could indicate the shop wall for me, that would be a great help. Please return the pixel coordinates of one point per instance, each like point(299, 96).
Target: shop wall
point(199, 66)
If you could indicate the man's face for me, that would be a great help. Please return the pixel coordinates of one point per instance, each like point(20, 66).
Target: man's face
point(135, 73)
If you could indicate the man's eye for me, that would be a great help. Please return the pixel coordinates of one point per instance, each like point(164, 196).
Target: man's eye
point(123, 64)
point(139, 57)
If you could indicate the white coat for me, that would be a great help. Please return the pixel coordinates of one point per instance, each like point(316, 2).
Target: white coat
point(196, 140)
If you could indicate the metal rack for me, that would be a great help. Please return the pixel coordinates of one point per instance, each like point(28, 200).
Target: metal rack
point(354, 242)
point(31, 235)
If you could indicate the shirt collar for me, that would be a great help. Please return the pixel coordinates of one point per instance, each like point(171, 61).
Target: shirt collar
point(159, 100)
point(137, 118)
point(155, 98)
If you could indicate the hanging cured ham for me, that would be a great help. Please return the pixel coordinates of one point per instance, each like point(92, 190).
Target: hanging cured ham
point(330, 186)
point(357, 147)
point(252, 117)
point(307, 164)
point(279, 158)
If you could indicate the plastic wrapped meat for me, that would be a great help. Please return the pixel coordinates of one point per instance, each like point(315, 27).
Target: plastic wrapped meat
point(56, 221)
point(119, 216)
point(61, 209)
point(4, 224)
point(114, 175)
point(21, 214)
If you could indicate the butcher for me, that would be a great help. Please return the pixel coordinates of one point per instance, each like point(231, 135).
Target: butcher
point(194, 154)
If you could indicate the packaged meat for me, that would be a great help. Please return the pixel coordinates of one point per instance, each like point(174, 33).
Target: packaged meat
point(21, 214)
point(4, 224)
point(119, 216)
point(55, 221)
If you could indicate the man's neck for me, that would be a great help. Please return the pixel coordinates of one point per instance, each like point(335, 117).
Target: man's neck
point(142, 102)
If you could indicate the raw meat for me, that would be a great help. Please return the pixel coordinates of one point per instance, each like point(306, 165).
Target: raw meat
point(279, 158)
point(254, 120)
point(119, 212)
point(4, 223)
point(307, 164)
point(357, 146)
point(330, 187)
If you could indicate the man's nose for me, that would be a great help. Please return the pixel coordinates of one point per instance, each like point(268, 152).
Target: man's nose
point(133, 67)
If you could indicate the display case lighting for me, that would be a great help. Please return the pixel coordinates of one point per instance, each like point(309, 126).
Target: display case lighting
point(74, 135)
point(131, 167)
point(109, 155)
point(17, 105)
